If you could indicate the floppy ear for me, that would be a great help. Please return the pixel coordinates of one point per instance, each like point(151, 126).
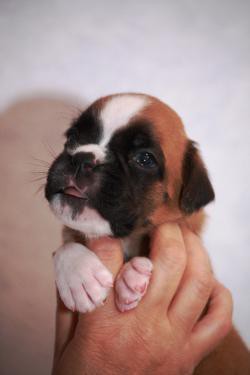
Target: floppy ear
point(196, 190)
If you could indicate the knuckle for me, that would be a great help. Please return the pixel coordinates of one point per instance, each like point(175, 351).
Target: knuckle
point(173, 254)
point(168, 230)
point(202, 283)
point(106, 254)
point(225, 325)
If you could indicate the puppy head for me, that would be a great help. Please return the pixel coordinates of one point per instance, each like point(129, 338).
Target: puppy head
point(127, 164)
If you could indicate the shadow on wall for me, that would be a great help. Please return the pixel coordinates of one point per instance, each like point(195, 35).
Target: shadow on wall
point(31, 129)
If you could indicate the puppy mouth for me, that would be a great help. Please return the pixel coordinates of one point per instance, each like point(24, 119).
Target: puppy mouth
point(74, 192)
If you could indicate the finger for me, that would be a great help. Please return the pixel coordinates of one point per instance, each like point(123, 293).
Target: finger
point(215, 324)
point(109, 250)
point(196, 285)
point(66, 322)
point(168, 255)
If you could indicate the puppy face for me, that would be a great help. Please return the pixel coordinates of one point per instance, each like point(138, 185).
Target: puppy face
point(126, 166)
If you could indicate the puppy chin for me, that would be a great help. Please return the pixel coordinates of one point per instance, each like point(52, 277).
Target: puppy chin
point(89, 221)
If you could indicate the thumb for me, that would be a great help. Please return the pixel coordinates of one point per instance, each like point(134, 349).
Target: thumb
point(109, 250)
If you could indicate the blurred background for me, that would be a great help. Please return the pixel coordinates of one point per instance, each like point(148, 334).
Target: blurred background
point(58, 56)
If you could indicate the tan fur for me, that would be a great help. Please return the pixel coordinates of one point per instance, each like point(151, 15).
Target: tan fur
point(170, 132)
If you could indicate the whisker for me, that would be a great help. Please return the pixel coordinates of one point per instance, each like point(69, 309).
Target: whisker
point(41, 187)
point(49, 148)
point(39, 162)
point(45, 170)
point(39, 173)
point(37, 179)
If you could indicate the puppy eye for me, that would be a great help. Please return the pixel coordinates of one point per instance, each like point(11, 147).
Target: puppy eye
point(145, 159)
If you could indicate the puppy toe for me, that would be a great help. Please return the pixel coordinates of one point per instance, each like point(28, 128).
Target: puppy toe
point(135, 280)
point(125, 297)
point(83, 302)
point(104, 276)
point(96, 292)
point(132, 283)
point(142, 265)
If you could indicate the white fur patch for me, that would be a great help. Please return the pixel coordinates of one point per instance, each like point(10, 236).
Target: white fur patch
point(90, 222)
point(118, 111)
point(97, 150)
point(82, 280)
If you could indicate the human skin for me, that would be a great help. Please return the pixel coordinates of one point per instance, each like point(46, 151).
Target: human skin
point(165, 334)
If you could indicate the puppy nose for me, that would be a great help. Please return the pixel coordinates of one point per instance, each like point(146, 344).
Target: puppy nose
point(84, 161)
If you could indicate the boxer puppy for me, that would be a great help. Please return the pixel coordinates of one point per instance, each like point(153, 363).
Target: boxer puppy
point(126, 167)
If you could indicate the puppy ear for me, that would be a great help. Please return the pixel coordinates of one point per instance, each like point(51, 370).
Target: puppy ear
point(197, 190)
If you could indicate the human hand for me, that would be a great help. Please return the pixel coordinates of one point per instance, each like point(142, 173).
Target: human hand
point(165, 333)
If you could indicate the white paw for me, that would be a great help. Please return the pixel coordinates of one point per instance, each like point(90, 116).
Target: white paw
point(132, 282)
point(82, 280)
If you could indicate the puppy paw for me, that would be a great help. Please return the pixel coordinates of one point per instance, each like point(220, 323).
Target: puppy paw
point(82, 280)
point(132, 282)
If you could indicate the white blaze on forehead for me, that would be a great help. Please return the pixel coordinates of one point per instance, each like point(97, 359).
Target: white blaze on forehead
point(98, 151)
point(118, 111)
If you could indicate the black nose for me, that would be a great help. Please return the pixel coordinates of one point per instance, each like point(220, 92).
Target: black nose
point(83, 161)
